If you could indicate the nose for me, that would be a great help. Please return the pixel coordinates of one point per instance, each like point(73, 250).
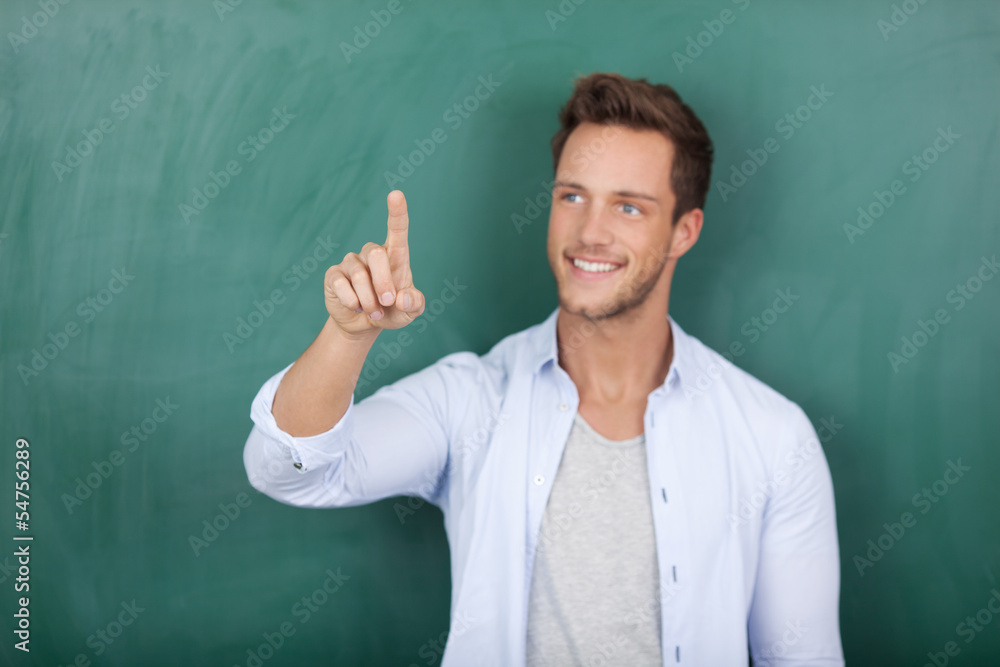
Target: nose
point(595, 230)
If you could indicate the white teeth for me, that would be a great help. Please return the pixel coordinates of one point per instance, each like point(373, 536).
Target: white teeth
point(595, 267)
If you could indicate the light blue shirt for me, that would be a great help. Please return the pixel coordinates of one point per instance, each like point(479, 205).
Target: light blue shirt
point(742, 497)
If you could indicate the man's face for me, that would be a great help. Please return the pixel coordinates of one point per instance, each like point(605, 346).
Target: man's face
point(610, 227)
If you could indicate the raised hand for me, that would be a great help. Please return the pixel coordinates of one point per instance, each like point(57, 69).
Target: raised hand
point(373, 289)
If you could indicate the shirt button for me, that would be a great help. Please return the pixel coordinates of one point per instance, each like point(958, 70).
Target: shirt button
point(539, 479)
point(563, 407)
point(297, 465)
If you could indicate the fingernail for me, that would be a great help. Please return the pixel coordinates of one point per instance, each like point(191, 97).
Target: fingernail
point(407, 301)
point(387, 299)
point(359, 310)
point(377, 315)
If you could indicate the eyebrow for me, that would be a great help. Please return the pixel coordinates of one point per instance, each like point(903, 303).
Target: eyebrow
point(620, 193)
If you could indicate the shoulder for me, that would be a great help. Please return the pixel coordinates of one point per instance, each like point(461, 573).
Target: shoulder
point(712, 382)
point(765, 429)
point(468, 372)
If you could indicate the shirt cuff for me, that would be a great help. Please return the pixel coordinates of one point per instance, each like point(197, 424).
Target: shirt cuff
point(306, 452)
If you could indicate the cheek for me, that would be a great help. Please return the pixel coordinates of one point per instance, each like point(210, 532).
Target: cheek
point(560, 225)
point(553, 238)
point(645, 247)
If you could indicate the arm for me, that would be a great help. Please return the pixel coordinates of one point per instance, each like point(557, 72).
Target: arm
point(395, 442)
point(367, 292)
point(318, 388)
point(303, 437)
point(794, 616)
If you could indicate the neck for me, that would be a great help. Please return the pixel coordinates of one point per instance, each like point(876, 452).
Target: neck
point(619, 359)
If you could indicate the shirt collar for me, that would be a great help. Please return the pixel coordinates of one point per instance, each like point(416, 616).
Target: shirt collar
point(544, 349)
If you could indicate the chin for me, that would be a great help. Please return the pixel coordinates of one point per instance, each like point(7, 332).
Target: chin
point(593, 309)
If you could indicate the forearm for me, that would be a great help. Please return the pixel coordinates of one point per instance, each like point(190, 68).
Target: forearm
point(315, 392)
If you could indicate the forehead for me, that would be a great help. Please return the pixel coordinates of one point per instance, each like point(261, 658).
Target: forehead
point(614, 157)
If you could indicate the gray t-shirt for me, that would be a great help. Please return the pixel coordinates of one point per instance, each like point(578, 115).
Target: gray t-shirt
point(595, 589)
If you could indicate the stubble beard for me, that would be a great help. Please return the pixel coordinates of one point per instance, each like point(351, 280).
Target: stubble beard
point(627, 297)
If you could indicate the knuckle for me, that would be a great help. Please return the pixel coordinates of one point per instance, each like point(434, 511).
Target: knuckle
point(333, 274)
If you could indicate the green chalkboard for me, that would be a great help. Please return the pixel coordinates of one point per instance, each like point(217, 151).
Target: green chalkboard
point(175, 177)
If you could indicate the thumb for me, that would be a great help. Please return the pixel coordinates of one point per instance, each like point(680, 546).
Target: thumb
point(410, 300)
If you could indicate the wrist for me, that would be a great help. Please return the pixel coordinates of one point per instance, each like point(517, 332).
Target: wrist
point(363, 338)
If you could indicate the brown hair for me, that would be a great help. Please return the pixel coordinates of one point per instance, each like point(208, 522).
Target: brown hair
point(612, 99)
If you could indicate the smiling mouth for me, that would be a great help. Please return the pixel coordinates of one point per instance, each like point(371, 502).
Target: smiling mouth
point(592, 270)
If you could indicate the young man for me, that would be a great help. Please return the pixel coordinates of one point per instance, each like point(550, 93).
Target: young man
point(614, 492)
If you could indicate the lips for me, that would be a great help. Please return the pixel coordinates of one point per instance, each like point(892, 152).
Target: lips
point(596, 260)
point(584, 274)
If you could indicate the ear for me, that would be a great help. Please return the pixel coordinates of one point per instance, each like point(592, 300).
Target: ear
point(685, 233)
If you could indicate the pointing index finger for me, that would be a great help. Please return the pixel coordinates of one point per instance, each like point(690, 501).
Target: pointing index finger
point(399, 220)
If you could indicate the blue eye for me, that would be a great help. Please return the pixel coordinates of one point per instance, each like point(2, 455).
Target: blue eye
point(637, 211)
point(570, 194)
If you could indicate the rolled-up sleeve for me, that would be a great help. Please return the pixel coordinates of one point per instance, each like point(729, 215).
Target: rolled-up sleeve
point(394, 442)
point(794, 616)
